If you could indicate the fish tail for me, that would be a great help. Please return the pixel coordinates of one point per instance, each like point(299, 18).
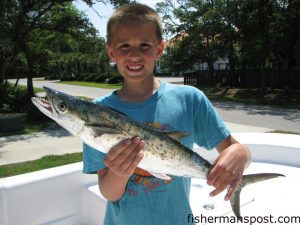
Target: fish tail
point(248, 179)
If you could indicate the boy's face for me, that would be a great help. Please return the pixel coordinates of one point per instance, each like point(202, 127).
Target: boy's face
point(134, 48)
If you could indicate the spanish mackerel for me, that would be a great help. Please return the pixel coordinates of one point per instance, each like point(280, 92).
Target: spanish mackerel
point(102, 128)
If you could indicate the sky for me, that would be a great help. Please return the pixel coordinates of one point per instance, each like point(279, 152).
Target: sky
point(105, 12)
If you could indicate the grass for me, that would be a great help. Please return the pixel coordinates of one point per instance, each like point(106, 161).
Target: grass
point(39, 164)
point(40, 79)
point(35, 89)
point(92, 84)
point(38, 90)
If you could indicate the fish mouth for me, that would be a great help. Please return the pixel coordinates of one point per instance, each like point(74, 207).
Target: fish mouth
point(44, 105)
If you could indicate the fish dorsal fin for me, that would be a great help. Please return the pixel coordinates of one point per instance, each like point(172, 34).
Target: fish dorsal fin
point(177, 135)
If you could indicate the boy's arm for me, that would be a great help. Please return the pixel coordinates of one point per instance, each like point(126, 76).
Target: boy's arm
point(121, 162)
point(229, 166)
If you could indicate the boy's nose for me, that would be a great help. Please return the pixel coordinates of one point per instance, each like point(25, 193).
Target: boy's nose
point(135, 53)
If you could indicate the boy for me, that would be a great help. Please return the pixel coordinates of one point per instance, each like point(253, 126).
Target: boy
point(134, 197)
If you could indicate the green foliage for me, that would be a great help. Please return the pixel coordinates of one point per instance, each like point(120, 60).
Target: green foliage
point(101, 78)
point(13, 99)
point(115, 79)
point(251, 33)
point(49, 38)
point(16, 100)
point(73, 51)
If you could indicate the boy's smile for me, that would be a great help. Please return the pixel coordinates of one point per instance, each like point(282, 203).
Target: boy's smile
point(135, 67)
point(135, 48)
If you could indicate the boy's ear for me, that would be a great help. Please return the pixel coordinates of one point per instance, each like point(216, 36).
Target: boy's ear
point(110, 53)
point(160, 50)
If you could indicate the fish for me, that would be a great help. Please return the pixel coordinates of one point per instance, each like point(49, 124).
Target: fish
point(102, 128)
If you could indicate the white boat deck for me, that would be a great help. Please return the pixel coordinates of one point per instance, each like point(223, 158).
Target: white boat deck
point(275, 197)
point(65, 196)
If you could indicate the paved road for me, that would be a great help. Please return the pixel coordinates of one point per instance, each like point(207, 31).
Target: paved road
point(263, 116)
point(250, 115)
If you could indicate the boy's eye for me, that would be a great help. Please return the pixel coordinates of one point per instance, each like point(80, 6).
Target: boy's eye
point(124, 47)
point(145, 46)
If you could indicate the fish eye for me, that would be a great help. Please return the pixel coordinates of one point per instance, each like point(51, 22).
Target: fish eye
point(62, 106)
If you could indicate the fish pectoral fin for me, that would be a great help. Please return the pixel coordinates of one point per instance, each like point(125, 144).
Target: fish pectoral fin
point(160, 175)
point(177, 135)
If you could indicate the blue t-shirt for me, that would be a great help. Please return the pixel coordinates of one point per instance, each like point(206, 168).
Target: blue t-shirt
point(149, 200)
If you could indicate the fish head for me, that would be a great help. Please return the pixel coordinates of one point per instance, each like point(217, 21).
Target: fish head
point(65, 109)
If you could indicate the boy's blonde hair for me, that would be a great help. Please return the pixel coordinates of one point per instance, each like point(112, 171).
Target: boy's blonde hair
point(134, 12)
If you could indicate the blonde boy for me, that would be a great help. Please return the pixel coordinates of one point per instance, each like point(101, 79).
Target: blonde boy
point(134, 197)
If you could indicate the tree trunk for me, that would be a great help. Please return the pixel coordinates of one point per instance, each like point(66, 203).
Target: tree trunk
point(263, 77)
point(232, 63)
point(210, 71)
point(17, 81)
point(30, 71)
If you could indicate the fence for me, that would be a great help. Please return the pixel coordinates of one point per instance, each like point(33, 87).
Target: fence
point(245, 78)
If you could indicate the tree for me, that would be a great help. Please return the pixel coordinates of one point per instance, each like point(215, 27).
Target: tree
point(250, 33)
point(66, 50)
point(198, 29)
point(275, 26)
point(21, 20)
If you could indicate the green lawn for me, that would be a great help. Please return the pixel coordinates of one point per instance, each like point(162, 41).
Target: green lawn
point(92, 84)
point(39, 164)
point(38, 90)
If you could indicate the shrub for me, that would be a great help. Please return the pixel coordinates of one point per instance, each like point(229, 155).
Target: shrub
point(116, 79)
point(101, 78)
point(89, 76)
point(14, 99)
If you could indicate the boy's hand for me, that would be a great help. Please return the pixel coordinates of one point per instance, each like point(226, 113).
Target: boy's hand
point(228, 170)
point(123, 158)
